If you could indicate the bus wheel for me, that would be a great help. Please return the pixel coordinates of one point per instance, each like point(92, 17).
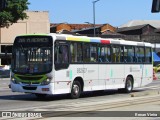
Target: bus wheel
point(40, 96)
point(76, 90)
point(129, 85)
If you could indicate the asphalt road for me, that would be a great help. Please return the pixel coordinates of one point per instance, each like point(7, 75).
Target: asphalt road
point(10, 101)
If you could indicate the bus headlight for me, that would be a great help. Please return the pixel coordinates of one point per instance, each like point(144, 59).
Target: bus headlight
point(14, 80)
point(46, 82)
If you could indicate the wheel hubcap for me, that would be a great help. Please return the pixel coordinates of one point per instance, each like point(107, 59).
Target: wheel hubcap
point(75, 89)
point(129, 85)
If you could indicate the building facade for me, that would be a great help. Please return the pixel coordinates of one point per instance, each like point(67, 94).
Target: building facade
point(37, 22)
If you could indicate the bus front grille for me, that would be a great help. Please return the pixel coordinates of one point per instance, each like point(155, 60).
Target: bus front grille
point(30, 78)
point(35, 83)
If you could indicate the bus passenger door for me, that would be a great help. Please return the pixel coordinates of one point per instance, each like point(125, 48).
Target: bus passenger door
point(61, 63)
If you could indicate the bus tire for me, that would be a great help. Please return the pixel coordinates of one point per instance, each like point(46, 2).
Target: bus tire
point(40, 96)
point(129, 85)
point(76, 90)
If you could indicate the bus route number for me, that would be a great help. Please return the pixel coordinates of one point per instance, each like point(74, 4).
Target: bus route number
point(81, 70)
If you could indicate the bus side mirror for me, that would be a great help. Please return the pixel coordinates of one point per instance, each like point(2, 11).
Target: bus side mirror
point(155, 6)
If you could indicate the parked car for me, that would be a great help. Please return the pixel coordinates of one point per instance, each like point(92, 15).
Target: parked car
point(156, 68)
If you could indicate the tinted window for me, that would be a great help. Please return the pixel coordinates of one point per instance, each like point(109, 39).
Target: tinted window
point(76, 52)
point(90, 53)
point(139, 54)
point(148, 54)
point(128, 54)
point(104, 54)
point(117, 54)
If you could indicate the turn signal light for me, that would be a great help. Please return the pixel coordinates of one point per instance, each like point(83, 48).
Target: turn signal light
point(45, 89)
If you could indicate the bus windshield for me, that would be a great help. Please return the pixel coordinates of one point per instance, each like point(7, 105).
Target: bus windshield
point(32, 55)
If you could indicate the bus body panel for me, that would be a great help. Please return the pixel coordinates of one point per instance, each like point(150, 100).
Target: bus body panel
point(116, 76)
point(103, 75)
point(95, 76)
point(62, 81)
point(147, 74)
point(76, 71)
point(90, 77)
point(135, 70)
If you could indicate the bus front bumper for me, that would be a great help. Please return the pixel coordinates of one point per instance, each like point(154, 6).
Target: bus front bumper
point(26, 88)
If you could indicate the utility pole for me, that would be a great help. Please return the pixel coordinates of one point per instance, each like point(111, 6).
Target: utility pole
point(155, 6)
point(94, 2)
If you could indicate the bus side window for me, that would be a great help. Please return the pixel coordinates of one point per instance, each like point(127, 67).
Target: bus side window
point(129, 54)
point(104, 54)
point(86, 53)
point(140, 54)
point(93, 53)
point(148, 55)
point(61, 56)
point(64, 53)
point(76, 52)
point(73, 50)
point(117, 56)
point(114, 57)
point(79, 52)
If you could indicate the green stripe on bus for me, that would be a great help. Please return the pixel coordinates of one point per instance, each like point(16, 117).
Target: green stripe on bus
point(70, 74)
point(111, 73)
point(43, 78)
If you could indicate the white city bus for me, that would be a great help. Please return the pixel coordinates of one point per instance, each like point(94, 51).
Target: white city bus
point(58, 64)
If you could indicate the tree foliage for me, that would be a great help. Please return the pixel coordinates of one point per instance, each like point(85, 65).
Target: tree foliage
point(14, 11)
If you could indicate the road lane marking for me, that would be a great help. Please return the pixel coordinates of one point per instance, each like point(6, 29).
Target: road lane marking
point(4, 89)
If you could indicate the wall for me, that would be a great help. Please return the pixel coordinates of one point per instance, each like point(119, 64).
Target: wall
point(61, 27)
point(107, 27)
point(37, 22)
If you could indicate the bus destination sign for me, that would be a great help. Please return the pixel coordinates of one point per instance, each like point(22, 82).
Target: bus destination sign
point(33, 40)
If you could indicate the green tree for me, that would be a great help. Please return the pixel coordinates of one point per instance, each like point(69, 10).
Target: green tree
point(14, 11)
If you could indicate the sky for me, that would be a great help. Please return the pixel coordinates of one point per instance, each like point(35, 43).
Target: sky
point(113, 12)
